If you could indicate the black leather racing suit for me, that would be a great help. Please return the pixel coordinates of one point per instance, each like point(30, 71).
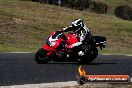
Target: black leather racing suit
point(82, 34)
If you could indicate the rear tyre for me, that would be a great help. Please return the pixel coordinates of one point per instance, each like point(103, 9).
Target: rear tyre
point(41, 56)
point(90, 56)
point(93, 54)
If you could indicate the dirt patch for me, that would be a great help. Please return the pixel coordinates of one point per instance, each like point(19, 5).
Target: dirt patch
point(20, 21)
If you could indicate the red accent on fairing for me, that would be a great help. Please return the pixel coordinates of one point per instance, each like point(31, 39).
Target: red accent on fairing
point(71, 39)
point(57, 43)
point(47, 47)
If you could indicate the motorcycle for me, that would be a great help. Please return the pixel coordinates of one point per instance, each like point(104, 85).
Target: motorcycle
point(56, 51)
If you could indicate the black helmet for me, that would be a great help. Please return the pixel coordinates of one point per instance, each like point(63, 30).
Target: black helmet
point(77, 24)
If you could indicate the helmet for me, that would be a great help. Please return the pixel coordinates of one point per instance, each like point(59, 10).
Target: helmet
point(77, 24)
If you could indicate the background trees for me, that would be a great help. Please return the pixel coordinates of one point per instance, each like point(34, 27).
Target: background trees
point(80, 5)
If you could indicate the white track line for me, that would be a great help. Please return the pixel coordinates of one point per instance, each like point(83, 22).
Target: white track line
point(71, 84)
point(116, 54)
point(44, 85)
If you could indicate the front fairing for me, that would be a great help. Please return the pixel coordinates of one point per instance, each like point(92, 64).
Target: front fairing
point(55, 39)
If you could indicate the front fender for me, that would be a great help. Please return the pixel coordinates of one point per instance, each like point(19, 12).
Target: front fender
point(48, 49)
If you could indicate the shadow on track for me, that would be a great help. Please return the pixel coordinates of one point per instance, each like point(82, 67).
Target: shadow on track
point(76, 63)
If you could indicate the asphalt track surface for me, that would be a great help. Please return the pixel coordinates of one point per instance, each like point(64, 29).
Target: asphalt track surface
point(21, 68)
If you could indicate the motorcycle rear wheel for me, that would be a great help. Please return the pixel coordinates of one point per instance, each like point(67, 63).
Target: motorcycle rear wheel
point(90, 57)
point(41, 56)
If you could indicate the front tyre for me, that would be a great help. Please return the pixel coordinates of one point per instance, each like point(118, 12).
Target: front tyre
point(41, 56)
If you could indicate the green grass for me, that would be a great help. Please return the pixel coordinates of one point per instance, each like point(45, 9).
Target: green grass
point(25, 25)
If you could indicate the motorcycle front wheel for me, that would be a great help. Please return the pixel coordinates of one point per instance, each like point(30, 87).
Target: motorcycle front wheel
point(41, 56)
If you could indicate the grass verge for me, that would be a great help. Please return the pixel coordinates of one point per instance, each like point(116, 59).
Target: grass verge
point(25, 25)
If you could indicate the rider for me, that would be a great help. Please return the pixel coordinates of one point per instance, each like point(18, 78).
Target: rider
point(78, 28)
point(81, 31)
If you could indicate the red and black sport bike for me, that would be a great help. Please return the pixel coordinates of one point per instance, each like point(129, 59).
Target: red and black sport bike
point(56, 51)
